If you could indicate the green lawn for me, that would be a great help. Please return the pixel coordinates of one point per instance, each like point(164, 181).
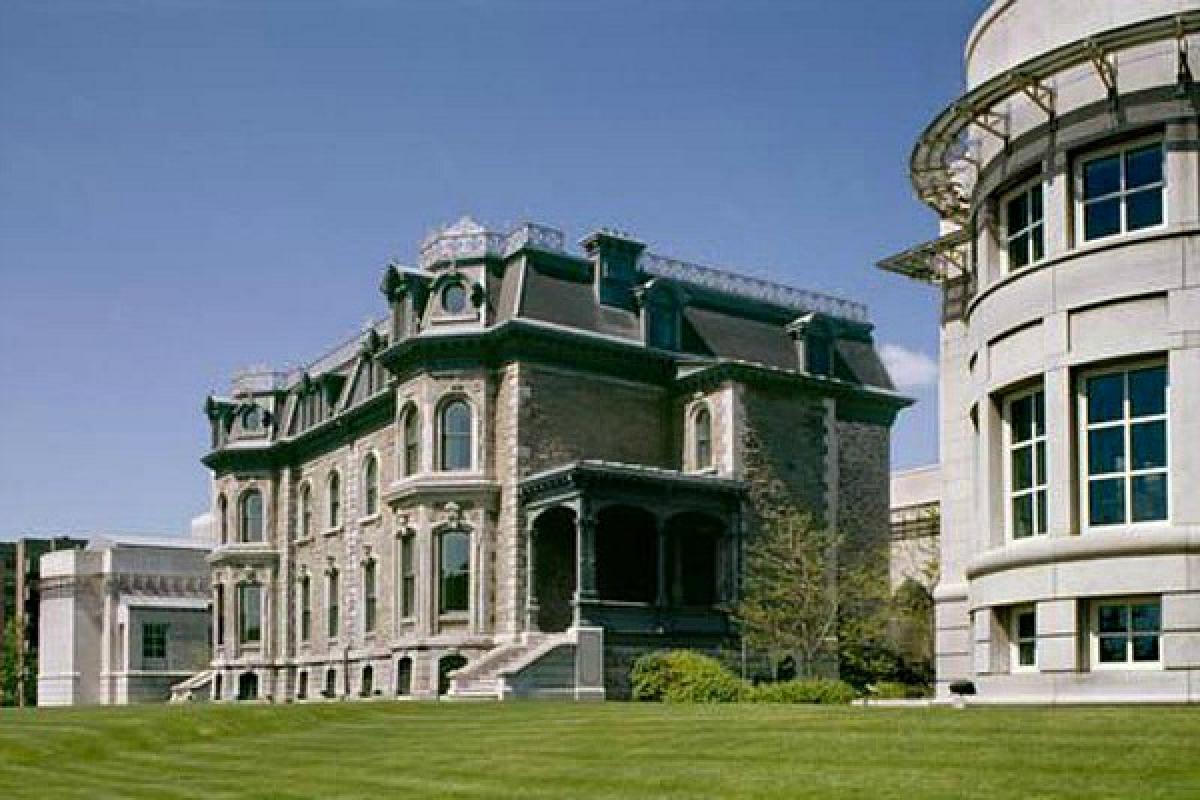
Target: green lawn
point(552, 750)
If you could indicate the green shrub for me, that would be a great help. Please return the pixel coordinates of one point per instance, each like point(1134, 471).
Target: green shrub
point(820, 691)
point(894, 690)
point(683, 676)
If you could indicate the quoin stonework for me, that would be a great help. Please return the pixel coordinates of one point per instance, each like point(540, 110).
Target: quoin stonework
point(531, 470)
point(1067, 182)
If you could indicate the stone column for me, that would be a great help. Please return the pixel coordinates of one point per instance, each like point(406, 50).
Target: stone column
point(585, 548)
point(531, 598)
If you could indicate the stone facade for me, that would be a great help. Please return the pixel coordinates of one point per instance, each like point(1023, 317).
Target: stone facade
point(122, 620)
point(533, 468)
point(1066, 181)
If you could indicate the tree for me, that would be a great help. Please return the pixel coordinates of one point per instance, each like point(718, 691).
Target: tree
point(789, 601)
point(10, 664)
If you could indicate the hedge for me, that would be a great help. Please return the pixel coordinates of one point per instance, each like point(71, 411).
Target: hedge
point(684, 676)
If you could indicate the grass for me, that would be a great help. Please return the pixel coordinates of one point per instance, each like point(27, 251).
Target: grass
point(613, 750)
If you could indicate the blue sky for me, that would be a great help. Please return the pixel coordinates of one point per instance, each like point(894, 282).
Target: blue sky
point(188, 187)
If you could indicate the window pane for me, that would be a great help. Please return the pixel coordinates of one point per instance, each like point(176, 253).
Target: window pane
point(1018, 213)
point(1143, 166)
point(1148, 391)
point(1101, 219)
point(1027, 654)
point(1039, 246)
point(1145, 648)
point(1040, 472)
point(1146, 617)
point(1026, 625)
point(1149, 497)
point(455, 560)
point(1106, 501)
point(1112, 649)
point(1039, 413)
point(1018, 251)
point(1149, 444)
point(1143, 209)
point(1022, 419)
point(1105, 398)
point(1041, 512)
point(1035, 203)
point(1022, 468)
point(1113, 619)
point(1101, 176)
point(1022, 516)
point(1106, 450)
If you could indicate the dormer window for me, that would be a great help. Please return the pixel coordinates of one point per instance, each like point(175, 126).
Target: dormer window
point(454, 299)
point(662, 326)
point(252, 419)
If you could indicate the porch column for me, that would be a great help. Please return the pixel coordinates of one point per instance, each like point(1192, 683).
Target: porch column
point(585, 546)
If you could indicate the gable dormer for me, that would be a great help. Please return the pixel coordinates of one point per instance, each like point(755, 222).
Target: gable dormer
point(814, 335)
point(661, 303)
point(614, 256)
point(407, 291)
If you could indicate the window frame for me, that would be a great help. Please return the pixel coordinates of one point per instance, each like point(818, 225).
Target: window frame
point(305, 608)
point(243, 527)
point(242, 627)
point(370, 485)
point(407, 585)
point(1126, 423)
point(442, 435)
point(1094, 634)
point(162, 634)
point(1016, 640)
point(333, 609)
point(223, 517)
point(410, 429)
point(1079, 202)
point(443, 576)
point(370, 596)
point(702, 411)
point(333, 500)
point(1010, 494)
point(1008, 235)
point(306, 515)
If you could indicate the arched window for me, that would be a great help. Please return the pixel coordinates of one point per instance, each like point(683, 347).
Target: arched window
point(371, 485)
point(410, 429)
point(702, 439)
point(305, 511)
point(251, 517)
point(404, 676)
point(223, 518)
point(456, 436)
point(454, 574)
point(335, 499)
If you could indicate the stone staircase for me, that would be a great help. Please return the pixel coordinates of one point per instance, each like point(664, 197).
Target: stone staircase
point(539, 664)
point(193, 688)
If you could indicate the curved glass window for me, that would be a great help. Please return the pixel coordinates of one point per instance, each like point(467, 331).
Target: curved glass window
point(456, 436)
point(251, 518)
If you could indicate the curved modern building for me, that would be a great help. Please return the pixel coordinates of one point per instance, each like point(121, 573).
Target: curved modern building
point(1067, 182)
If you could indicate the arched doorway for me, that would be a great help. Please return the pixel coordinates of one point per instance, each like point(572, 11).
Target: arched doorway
point(554, 568)
point(248, 686)
point(693, 568)
point(626, 554)
point(447, 665)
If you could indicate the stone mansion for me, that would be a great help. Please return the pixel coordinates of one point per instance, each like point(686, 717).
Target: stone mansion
point(534, 468)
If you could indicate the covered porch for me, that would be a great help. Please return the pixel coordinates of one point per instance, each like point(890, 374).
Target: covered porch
point(633, 549)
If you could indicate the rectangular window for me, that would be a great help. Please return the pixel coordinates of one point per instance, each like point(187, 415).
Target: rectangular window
point(249, 613)
point(1025, 415)
point(408, 577)
point(305, 609)
point(1124, 445)
point(1024, 226)
point(331, 621)
point(1126, 633)
point(220, 614)
point(1121, 190)
point(369, 596)
point(455, 582)
point(154, 640)
point(1024, 639)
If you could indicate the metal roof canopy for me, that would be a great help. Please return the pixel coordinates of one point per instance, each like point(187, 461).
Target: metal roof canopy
point(942, 145)
point(934, 261)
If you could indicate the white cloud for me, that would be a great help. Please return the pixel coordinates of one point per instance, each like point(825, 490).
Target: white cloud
point(909, 369)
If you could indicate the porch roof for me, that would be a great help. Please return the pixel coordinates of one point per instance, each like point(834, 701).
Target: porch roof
point(591, 473)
